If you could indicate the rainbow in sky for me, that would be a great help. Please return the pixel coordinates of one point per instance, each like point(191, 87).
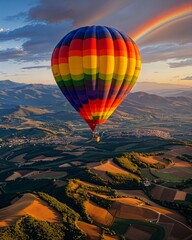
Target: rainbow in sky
point(160, 20)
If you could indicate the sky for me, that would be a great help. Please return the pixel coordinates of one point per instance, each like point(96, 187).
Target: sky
point(30, 29)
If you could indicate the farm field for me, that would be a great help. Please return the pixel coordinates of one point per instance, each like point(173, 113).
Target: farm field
point(56, 183)
point(166, 194)
point(36, 175)
point(125, 213)
point(98, 214)
point(108, 166)
point(92, 231)
point(49, 169)
point(31, 205)
point(134, 228)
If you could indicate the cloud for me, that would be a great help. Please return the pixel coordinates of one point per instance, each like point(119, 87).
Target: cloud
point(82, 13)
point(163, 52)
point(39, 31)
point(170, 41)
point(12, 54)
point(35, 67)
point(50, 21)
point(21, 15)
point(3, 30)
point(187, 78)
point(40, 39)
point(184, 63)
point(126, 15)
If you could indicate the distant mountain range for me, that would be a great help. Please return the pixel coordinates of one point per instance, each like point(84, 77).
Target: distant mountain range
point(49, 97)
point(163, 89)
point(4, 84)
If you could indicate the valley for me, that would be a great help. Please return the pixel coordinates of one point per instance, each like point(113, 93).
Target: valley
point(135, 182)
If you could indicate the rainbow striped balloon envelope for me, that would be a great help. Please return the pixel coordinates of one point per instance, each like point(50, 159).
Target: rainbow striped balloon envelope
point(95, 67)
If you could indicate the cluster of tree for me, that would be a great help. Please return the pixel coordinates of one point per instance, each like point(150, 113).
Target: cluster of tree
point(184, 184)
point(189, 157)
point(4, 174)
point(117, 180)
point(186, 158)
point(6, 198)
point(106, 230)
point(76, 197)
point(152, 154)
point(29, 228)
point(27, 185)
point(102, 202)
point(168, 160)
point(135, 158)
point(93, 178)
point(48, 151)
point(103, 190)
point(127, 164)
point(69, 216)
point(123, 181)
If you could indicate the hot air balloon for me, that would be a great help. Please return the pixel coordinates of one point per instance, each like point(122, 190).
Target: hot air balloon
point(95, 67)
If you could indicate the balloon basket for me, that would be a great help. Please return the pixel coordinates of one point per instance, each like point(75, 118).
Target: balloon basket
point(96, 137)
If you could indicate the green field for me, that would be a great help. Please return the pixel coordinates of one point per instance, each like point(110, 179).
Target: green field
point(145, 173)
point(166, 176)
point(120, 226)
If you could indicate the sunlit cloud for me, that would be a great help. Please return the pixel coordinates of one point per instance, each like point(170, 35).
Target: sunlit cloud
point(162, 52)
point(187, 78)
point(184, 63)
point(12, 54)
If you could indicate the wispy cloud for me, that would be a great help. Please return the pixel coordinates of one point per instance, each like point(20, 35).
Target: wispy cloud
point(12, 54)
point(187, 78)
point(40, 40)
point(21, 15)
point(3, 30)
point(80, 14)
point(35, 67)
point(162, 52)
point(184, 63)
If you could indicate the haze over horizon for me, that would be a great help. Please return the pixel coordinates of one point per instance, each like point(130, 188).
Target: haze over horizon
point(29, 30)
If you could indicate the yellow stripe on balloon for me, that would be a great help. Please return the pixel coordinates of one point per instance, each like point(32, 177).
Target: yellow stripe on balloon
point(90, 61)
point(138, 68)
point(109, 113)
point(120, 65)
point(55, 70)
point(64, 68)
point(131, 66)
point(75, 65)
point(106, 64)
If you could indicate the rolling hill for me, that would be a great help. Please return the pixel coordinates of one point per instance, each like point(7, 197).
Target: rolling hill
point(48, 96)
point(132, 183)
